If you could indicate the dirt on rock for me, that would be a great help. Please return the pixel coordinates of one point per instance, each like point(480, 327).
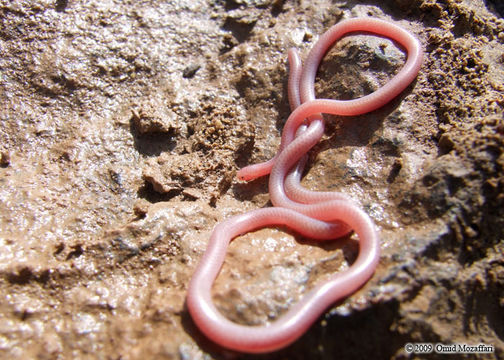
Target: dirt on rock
point(122, 126)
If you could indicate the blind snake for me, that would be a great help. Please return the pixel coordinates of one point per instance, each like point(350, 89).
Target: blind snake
point(318, 215)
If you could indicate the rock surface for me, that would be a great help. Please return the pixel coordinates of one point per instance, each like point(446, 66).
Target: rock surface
point(122, 125)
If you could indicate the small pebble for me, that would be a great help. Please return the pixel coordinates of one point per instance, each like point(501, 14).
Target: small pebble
point(4, 159)
point(191, 70)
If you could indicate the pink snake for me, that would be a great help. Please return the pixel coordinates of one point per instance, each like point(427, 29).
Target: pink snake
point(318, 215)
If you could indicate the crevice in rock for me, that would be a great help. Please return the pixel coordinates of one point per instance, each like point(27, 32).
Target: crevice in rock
point(148, 193)
point(61, 5)
point(241, 30)
point(498, 5)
